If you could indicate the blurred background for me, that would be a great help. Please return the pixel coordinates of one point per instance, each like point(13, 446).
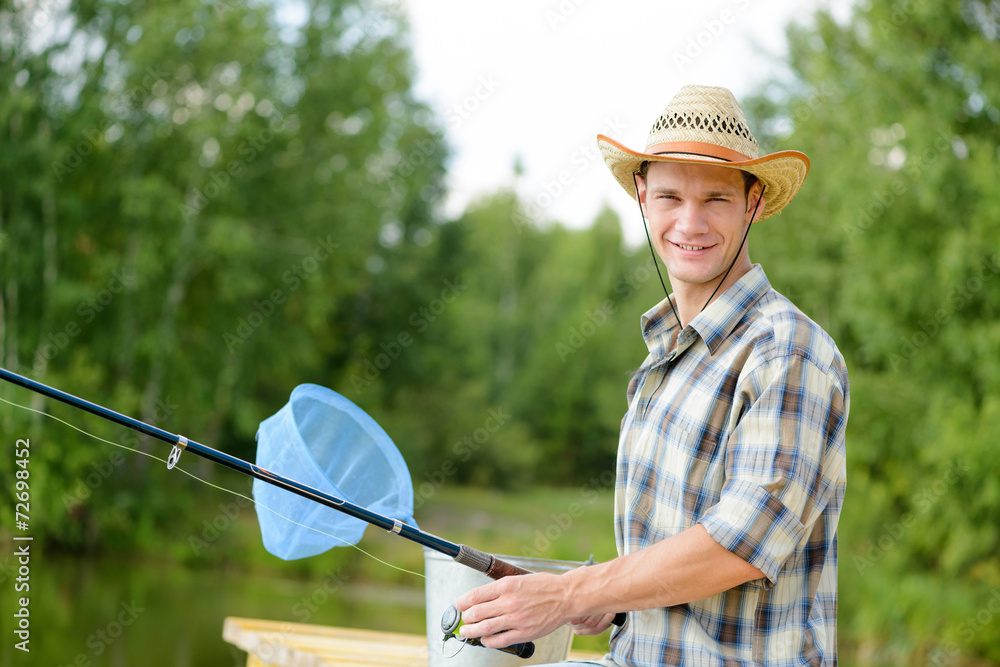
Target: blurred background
point(204, 204)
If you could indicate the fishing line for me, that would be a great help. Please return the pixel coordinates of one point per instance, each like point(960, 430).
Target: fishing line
point(488, 564)
point(214, 486)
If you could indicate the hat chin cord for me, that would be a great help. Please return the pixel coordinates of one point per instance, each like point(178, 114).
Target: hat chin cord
point(649, 239)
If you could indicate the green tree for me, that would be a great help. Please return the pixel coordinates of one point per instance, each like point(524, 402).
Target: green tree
point(536, 327)
point(891, 245)
point(192, 199)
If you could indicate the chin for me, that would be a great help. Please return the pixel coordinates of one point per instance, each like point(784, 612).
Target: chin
point(695, 272)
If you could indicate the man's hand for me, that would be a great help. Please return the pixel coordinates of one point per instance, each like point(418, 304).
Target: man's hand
point(687, 566)
point(522, 608)
point(591, 625)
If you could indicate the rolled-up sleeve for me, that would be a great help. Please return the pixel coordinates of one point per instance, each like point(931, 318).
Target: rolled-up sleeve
point(785, 461)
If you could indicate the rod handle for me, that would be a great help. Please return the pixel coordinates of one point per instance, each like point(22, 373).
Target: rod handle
point(495, 568)
point(499, 569)
point(522, 650)
point(488, 564)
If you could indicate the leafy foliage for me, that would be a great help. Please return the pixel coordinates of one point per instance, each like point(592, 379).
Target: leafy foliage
point(891, 245)
point(190, 196)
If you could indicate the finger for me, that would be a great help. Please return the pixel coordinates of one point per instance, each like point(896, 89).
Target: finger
point(484, 629)
point(591, 625)
point(485, 618)
point(476, 596)
point(504, 639)
point(474, 617)
point(589, 621)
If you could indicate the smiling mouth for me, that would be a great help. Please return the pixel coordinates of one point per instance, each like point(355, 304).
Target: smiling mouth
point(690, 247)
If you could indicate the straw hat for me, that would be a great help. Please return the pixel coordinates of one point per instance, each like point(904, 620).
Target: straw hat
point(705, 125)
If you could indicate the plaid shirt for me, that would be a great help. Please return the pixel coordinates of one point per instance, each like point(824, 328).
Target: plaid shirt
point(740, 428)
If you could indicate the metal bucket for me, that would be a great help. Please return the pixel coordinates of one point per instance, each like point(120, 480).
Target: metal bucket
point(446, 580)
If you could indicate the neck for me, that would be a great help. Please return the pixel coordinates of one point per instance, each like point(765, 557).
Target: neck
point(692, 298)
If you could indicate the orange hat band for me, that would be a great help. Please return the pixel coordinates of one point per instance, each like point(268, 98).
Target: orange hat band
point(699, 148)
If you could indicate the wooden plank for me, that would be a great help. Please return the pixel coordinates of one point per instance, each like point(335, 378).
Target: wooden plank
point(285, 644)
point(237, 626)
point(282, 644)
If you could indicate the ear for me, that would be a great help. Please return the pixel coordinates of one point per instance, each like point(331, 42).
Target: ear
point(754, 196)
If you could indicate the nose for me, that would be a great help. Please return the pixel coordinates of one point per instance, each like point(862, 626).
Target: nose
point(690, 219)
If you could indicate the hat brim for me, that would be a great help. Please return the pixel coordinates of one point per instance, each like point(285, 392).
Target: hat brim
point(781, 173)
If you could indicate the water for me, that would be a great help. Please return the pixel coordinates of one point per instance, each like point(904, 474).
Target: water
point(91, 613)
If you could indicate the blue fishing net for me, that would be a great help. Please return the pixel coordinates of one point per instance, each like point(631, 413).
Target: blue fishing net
point(322, 440)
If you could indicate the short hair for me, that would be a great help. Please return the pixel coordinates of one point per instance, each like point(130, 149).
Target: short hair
point(748, 178)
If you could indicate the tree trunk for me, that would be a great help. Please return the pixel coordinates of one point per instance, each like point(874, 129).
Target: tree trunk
point(125, 358)
point(50, 275)
point(221, 405)
point(168, 327)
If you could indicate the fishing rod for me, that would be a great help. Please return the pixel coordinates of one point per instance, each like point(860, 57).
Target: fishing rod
point(488, 564)
point(480, 561)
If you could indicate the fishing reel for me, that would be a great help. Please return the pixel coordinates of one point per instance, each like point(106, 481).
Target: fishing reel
point(450, 621)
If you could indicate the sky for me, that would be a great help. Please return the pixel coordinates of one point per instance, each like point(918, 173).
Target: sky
point(537, 80)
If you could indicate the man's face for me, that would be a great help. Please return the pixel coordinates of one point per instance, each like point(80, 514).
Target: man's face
point(697, 217)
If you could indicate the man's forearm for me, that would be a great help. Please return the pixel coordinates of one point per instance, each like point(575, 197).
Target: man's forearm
point(688, 566)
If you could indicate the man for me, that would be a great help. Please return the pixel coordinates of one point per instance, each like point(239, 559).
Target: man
point(731, 460)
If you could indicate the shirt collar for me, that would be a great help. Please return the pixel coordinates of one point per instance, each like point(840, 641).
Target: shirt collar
point(714, 324)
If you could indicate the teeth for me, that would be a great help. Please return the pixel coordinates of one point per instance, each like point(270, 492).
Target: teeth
point(691, 247)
